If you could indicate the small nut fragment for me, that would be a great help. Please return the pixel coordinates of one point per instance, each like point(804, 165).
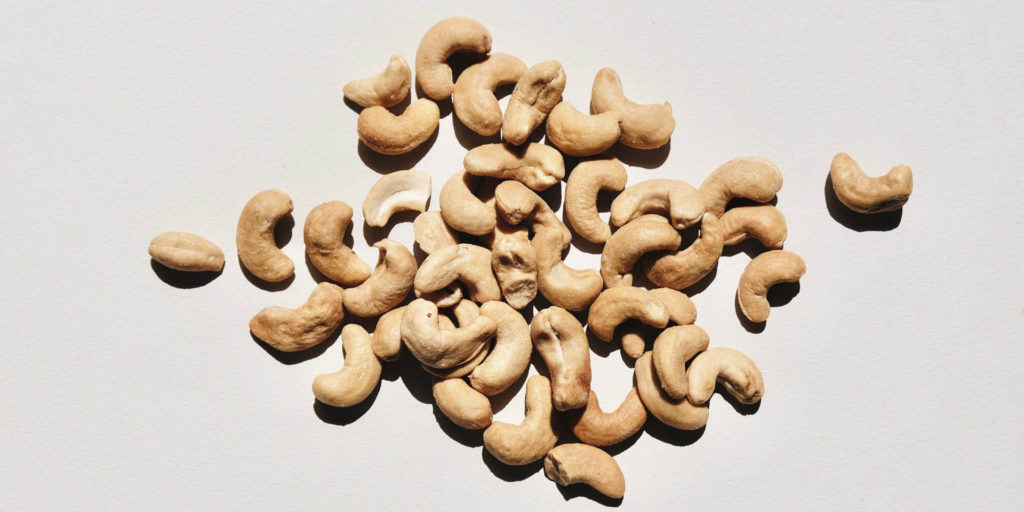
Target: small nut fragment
point(734, 370)
point(616, 305)
point(598, 428)
point(751, 178)
point(522, 444)
point(764, 223)
point(291, 330)
point(536, 93)
point(579, 134)
point(386, 89)
point(255, 236)
point(639, 236)
point(324, 234)
point(443, 39)
point(462, 209)
point(474, 101)
point(672, 349)
point(389, 134)
point(389, 283)
point(576, 463)
point(561, 341)
point(510, 357)
point(395, 192)
point(643, 126)
point(432, 233)
point(466, 263)
point(763, 272)
point(357, 378)
point(186, 252)
point(387, 335)
point(581, 189)
point(683, 203)
point(514, 261)
point(679, 269)
point(442, 348)
point(679, 414)
point(864, 194)
point(465, 406)
point(537, 166)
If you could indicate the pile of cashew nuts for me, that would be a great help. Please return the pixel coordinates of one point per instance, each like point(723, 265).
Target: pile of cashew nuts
point(495, 245)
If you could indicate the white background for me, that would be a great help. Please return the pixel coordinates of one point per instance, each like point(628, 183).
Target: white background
point(892, 376)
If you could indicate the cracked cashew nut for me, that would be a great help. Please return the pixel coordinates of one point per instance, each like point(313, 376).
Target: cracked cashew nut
point(450, 35)
point(683, 203)
point(186, 252)
point(639, 236)
point(385, 89)
point(864, 194)
point(616, 305)
point(324, 234)
point(510, 357)
point(679, 269)
point(359, 375)
point(536, 93)
point(474, 101)
point(291, 330)
point(514, 261)
point(764, 223)
point(562, 343)
point(465, 406)
point(431, 232)
point(389, 134)
point(581, 189)
point(578, 463)
point(737, 373)
point(535, 165)
point(579, 134)
point(387, 285)
point(466, 263)
point(598, 428)
point(680, 414)
point(255, 236)
point(518, 445)
point(462, 210)
point(442, 348)
point(395, 192)
point(643, 126)
point(763, 272)
point(672, 349)
point(751, 178)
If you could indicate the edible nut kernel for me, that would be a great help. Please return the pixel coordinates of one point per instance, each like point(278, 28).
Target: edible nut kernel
point(442, 348)
point(535, 94)
point(737, 374)
point(562, 343)
point(683, 203)
point(680, 414)
point(639, 236)
point(291, 330)
point(462, 209)
point(255, 236)
point(864, 194)
point(751, 178)
point(616, 305)
point(577, 463)
point(324, 234)
point(446, 37)
point(680, 269)
point(537, 166)
point(579, 134)
point(672, 349)
point(764, 223)
point(763, 272)
point(395, 192)
point(581, 189)
point(598, 428)
point(389, 134)
point(518, 445)
point(389, 283)
point(386, 89)
point(643, 126)
point(186, 252)
point(474, 101)
point(465, 406)
point(357, 378)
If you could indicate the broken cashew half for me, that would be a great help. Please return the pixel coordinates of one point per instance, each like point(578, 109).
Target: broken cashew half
point(385, 89)
point(683, 203)
point(680, 414)
point(763, 272)
point(672, 349)
point(465, 406)
point(639, 236)
point(764, 223)
point(535, 165)
point(389, 134)
point(562, 343)
point(536, 93)
point(598, 428)
point(751, 178)
point(578, 463)
point(396, 192)
point(462, 209)
point(359, 375)
point(518, 445)
point(581, 189)
point(433, 74)
point(186, 252)
point(291, 330)
point(679, 269)
point(579, 134)
point(387, 285)
point(255, 236)
point(514, 261)
point(616, 305)
point(442, 348)
point(737, 373)
point(474, 101)
point(466, 263)
point(510, 357)
point(643, 126)
point(324, 234)
point(864, 194)
point(431, 232)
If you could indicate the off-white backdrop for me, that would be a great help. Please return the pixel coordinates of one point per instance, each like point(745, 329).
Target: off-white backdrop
point(891, 376)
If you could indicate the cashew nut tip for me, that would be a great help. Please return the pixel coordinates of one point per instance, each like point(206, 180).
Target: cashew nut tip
point(562, 343)
point(537, 166)
point(466, 263)
point(385, 89)
point(639, 236)
point(510, 357)
point(443, 39)
point(680, 269)
point(577, 463)
point(680, 414)
point(462, 209)
point(763, 272)
point(751, 178)
point(598, 428)
point(579, 134)
point(387, 285)
point(395, 192)
point(514, 261)
point(764, 223)
point(738, 375)
point(186, 252)
point(864, 194)
point(290, 330)
point(581, 189)
point(683, 203)
point(643, 126)
point(255, 236)
point(357, 378)
point(566, 287)
point(616, 305)
point(324, 234)
point(389, 134)
point(672, 349)
point(442, 348)
point(474, 101)
point(518, 445)
point(465, 406)
point(535, 94)
point(387, 335)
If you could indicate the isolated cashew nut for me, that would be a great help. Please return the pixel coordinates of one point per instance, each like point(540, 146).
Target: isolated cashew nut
point(510, 357)
point(864, 194)
point(616, 305)
point(737, 374)
point(624, 248)
point(357, 378)
point(389, 283)
point(672, 349)
point(581, 189)
point(186, 252)
point(466, 263)
point(681, 311)
point(683, 203)
point(579, 134)
point(764, 223)
point(566, 287)
point(536, 93)
point(680, 414)
point(465, 406)
point(324, 234)
point(577, 463)
point(518, 445)
point(389, 134)
point(679, 269)
point(291, 330)
point(763, 272)
point(562, 343)
point(385, 89)
point(643, 126)
point(514, 261)
point(751, 178)
point(598, 428)
point(431, 232)
point(535, 165)
point(443, 39)
point(462, 209)
point(395, 192)
point(442, 348)
point(474, 101)
point(255, 236)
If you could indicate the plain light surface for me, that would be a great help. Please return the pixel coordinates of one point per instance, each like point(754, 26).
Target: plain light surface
point(890, 376)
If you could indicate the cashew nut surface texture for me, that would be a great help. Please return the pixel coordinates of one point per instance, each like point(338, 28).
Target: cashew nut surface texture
point(672, 349)
point(763, 272)
point(517, 204)
point(679, 414)
point(598, 428)
point(764, 223)
point(386, 89)
point(290, 330)
point(683, 203)
point(562, 343)
point(442, 348)
point(566, 287)
point(680, 311)
point(536, 93)
point(510, 356)
point(255, 236)
point(432, 233)
point(639, 236)
point(579, 134)
point(387, 285)
point(324, 234)
point(679, 269)
point(186, 252)
point(864, 194)
point(517, 445)
point(443, 39)
point(395, 192)
point(474, 101)
point(535, 165)
point(514, 261)
point(575, 463)
point(643, 126)
point(389, 134)
point(462, 209)
point(733, 369)
point(386, 341)
point(581, 189)
point(751, 178)
point(465, 406)
point(616, 305)
point(465, 312)
point(466, 263)
point(357, 378)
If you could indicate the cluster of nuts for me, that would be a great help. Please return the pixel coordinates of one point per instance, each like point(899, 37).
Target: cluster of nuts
point(493, 202)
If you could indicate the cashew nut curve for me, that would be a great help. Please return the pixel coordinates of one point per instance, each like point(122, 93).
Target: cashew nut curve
point(431, 232)
point(764, 223)
point(738, 375)
point(357, 378)
point(763, 272)
point(579, 134)
point(598, 428)
point(442, 348)
point(535, 165)
point(577, 463)
point(681, 311)
point(443, 39)
point(514, 261)
point(672, 349)
point(255, 236)
point(386, 341)
point(679, 414)
point(465, 312)
point(679, 269)
point(395, 192)
point(186, 252)
point(683, 203)
point(462, 209)
point(751, 178)
point(639, 236)
point(324, 234)
point(536, 93)
point(389, 283)
point(466, 263)
point(517, 445)
point(581, 189)
point(864, 194)
point(465, 406)
point(566, 287)
point(562, 343)
point(510, 357)
point(386, 89)
point(389, 134)
point(643, 126)
point(290, 330)
point(616, 305)
point(516, 204)
point(474, 101)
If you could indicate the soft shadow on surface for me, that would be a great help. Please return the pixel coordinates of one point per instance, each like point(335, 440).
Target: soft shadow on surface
point(501, 400)
point(703, 284)
point(290, 358)
point(465, 437)
point(384, 164)
point(344, 415)
point(470, 139)
point(181, 279)
point(578, 241)
point(585, 491)
point(751, 247)
point(646, 158)
point(744, 409)
point(510, 473)
point(373, 235)
point(414, 377)
point(850, 219)
point(782, 293)
point(753, 327)
point(673, 436)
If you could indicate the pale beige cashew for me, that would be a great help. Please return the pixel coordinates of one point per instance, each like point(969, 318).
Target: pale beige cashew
point(474, 101)
point(516, 204)
point(679, 269)
point(751, 178)
point(864, 194)
point(442, 348)
point(255, 236)
point(290, 330)
point(461, 370)
point(324, 234)
point(385, 89)
point(518, 445)
point(466, 263)
point(737, 374)
point(465, 406)
point(514, 261)
point(536, 93)
point(616, 305)
point(624, 248)
point(462, 209)
point(683, 203)
point(681, 311)
point(581, 189)
point(564, 286)
point(562, 343)
point(389, 283)
point(445, 297)
point(598, 428)
point(679, 414)
point(510, 357)
point(579, 134)
point(643, 126)
point(186, 252)
point(431, 232)
point(396, 192)
point(763, 272)
point(578, 463)
point(535, 165)
point(446, 37)
point(387, 335)
point(389, 134)
point(672, 349)
point(764, 223)
point(357, 378)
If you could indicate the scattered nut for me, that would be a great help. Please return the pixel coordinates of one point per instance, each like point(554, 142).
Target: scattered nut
point(564, 286)
point(186, 252)
point(432, 233)
point(389, 134)
point(579, 134)
point(643, 126)
point(446, 37)
point(679, 414)
point(576, 463)
point(683, 203)
point(679, 269)
point(385, 89)
point(255, 236)
point(763, 272)
point(522, 444)
point(510, 357)
point(517, 204)
point(581, 189)
point(537, 166)
point(672, 349)
point(324, 234)
point(395, 192)
point(466, 263)
point(639, 236)
point(474, 101)
point(680, 311)
point(561, 341)
point(387, 335)
point(291, 330)
point(734, 370)
point(764, 223)
point(442, 348)
point(864, 194)
point(357, 378)
point(751, 178)
point(598, 428)
point(465, 406)
point(462, 209)
point(536, 93)
point(389, 283)
point(616, 305)
point(514, 261)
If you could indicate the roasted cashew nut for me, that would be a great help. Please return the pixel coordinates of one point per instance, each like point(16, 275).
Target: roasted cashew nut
point(763, 272)
point(466, 263)
point(639, 236)
point(357, 378)
point(681, 311)
point(443, 39)
point(389, 283)
point(751, 178)
point(514, 261)
point(764, 223)
point(683, 203)
point(432, 233)
point(579, 134)
point(643, 126)
point(577, 463)
point(598, 428)
point(679, 414)
point(536, 93)
point(389, 134)
point(537, 166)
point(517, 204)
point(672, 349)
point(395, 192)
point(522, 444)
point(324, 234)
point(186, 252)
point(738, 375)
point(581, 189)
point(290, 330)
point(442, 348)
point(465, 312)
point(385, 89)
point(561, 341)
point(679, 269)
point(510, 357)
point(462, 209)
point(255, 236)
point(465, 406)
point(564, 286)
point(474, 101)
point(864, 194)
point(616, 305)
point(386, 341)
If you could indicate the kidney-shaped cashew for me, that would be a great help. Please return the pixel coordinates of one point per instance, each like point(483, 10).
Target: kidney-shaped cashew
point(389, 283)
point(442, 348)
point(536, 93)
point(474, 101)
point(510, 356)
point(386, 341)
point(865, 194)
point(751, 178)
point(395, 192)
point(643, 126)
point(598, 428)
point(290, 330)
point(255, 236)
point(466, 263)
point(517, 204)
point(537, 166)
point(566, 287)
point(679, 414)
point(431, 232)
point(389, 134)
point(763, 222)
point(579, 134)
point(186, 252)
point(734, 370)
point(581, 189)
point(616, 305)
point(465, 406)
point(522, 444)
point(679, 269)
point(462, 209)
point(561, 341)
point(577, 463)
point(386, 89)
point(763, 272)
point(324, 234)
point(639, 236)
point(357, 378)
point(683, 203)
point(443, 39)
point(672, 349)
point(680, 311)
point(514, 261)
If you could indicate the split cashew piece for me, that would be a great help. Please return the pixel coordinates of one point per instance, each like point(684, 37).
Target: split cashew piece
point(751, 178)
point(389, 283)
point(536, 93)
point(466, 263)
point(510, 357)
point(683, 203)
point(764, 223)
point(864, 194)
point(763, 272)
point(598, 428)
point(679, 269)
point(324, 234)
point(514, 261)
point(578, 463)
point(672, 349)
point(734, 370)
point(535, 165)
point(442, 348)
point(462, 209)
point(359, 375)
point(443, 39)
point(581, 189)
point(395, 192)
point(517, 204)
point(579, 134)
point(255, 236)
point(566, 287)
point(432, 233)
point(389, 134)
point(562, 342)
point(518, 445)
point(639, 236)
point(465, 406)
point(385, 89)
point(681, 311)
point(474, 101)
point(291, 330)
point(186, 252)
point(616, 305)
point(643, 126)
point(679, 414)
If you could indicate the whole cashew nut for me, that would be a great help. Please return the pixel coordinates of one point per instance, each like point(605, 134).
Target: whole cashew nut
point(465, 406)
point(681, 311)
point(474, 101)
point(510, 357)
point(598, 428)
point(537, 166)
point(357, 378)
point(386, 341)
point(536, 93)
point(389, 134)
point(564, 286)
point(432, 233)
point(465, 312)
point(290, 330)
point(764, 223)
point(443, 39)
point(864, 194)
point(516, 204)
point(733, 369)
point(385, 89)
point(672, 349)
point(395, 192)
point(679, 269)
point(442, 348)
point(577, 463)
point(581, 189)
point(616, 305)
point(462, 209)
point(579, 134)
point(679, 414)
point(639, 236)
point(186, 252)
point(751, 178)
point(514, 261)
point(683, 203)
point(389, 283)
point(763, 272)
point(466, 263)
point(518, 445)
point(561, 341)
point(255, 236)
point(643, 126)
point(324, 234)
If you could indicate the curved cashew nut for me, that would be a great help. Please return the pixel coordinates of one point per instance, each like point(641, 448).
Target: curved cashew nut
point(510, 356)
point(680, 311)
point(864, 194)
point(679, 414)
point(564, 286)
point(465, 312)
point(672, 349)
point(466, 263)
point(562, 343)
point(186, 252)
point(465, 406)
point(442, 348)
point(431, 232)
point(639, 236)
point(514, 261)
point(683, 203)
point(324, 234)
point(255, 236)
point(386, 341)
point(395, 192)
point(616, 305)
point(679, 269)
point(537, 166)
point(764, 223)
point(536, 93)
point(751, 178)
point(386, 89)
point(389, 134)
point(579, 134)
point(389, 283)
point(357, 378)
point(733, 369)
point(522, 444)
point(598, 428)
point(578, 463)
point(290, 330)
point(462, 209)
point(515, 204)
point(474, 101)
point(445, 297)
point(443, 39)
point(643, 126)
point(581, 189)
point(763, 272)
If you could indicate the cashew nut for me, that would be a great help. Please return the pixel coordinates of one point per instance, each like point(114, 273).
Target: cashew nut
point(443, 39)
point(186, 252)
point(474, 101)
point(733, 369)
point(515, 204)
point(324, 236)
point(579, 134)
point(395, 192)
point(465, 312)
point(763, 272)
point(581, 189)
point(389, 283)
point(514, 261)
point(598, 428)
point(643, 126)
point(537, 166)
point(672, 349)
point(616, 305)
point(510, 356)
point(864, 194)
point(290, 330)
point(561, 341)
point(679, 269)
point(683, 203)
point(680, 311)
point(387, 335)
point(386, 89)
point(466, 263)
point(389, 134)
point(679, 414)
point(751, 178)
point(522, 444)
point(536, 93)
point(764, 223)
point(564, 286)
point(255, 236)
point(638, 237)
point(578, 463)
point(357, 378)
point(431, 232)
point(462, 209)
point(442, 348)
point(465, 406)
